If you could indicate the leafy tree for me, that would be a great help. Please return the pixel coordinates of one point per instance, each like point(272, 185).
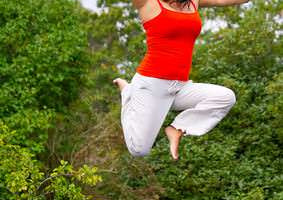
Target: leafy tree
point(44, 61)
point(22, 178)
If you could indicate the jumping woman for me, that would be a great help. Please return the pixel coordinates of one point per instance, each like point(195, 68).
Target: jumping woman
point(161, 82)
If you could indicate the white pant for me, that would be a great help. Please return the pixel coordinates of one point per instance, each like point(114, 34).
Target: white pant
point(147, 100)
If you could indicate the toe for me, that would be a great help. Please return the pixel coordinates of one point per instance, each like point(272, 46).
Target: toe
point(115, 80)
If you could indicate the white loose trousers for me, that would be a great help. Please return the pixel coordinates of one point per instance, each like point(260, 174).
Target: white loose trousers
point(147, 100)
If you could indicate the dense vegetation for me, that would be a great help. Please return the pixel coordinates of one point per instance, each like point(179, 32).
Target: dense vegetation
point(60, 131)
point(44, 59)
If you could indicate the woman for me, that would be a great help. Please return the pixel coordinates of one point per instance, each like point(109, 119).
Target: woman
point(161, 82)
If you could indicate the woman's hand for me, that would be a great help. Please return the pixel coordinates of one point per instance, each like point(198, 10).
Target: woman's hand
point(211, 3)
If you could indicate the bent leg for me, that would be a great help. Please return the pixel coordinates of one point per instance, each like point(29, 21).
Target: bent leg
point(203, 106)
point(144, 109)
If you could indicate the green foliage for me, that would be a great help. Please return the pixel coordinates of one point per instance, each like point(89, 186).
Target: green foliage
point(44, 62)
point(21, 176)
point(64, 188)
point(19, 171)
point(275, 106)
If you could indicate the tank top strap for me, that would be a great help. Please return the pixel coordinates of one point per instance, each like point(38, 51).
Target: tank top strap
point(161, 6)
point(194, 5)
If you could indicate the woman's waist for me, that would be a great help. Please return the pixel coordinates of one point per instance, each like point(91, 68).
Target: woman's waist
point(164, 72)
point(169, 62)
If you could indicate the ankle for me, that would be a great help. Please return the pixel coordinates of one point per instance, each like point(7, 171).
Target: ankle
point(178, 131)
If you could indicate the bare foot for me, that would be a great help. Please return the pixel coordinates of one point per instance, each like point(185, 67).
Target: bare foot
point(174, 137)
point(120, 82)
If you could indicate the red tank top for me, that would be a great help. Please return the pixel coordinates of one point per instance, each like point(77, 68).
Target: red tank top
point(170, 38)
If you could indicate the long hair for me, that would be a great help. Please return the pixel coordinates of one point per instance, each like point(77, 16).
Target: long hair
point(182, 2)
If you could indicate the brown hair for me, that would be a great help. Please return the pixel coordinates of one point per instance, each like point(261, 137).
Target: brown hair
point(184, 2)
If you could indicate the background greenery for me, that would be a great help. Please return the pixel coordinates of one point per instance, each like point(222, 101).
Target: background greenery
point(60, 132)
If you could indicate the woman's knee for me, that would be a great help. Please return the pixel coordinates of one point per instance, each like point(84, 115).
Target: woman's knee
point(229, 96)
point(232, 96)
point(137, 149)
point(139, 152)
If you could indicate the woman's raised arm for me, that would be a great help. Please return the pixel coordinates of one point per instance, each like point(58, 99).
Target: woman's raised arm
point(210, 3)
point(139, 3)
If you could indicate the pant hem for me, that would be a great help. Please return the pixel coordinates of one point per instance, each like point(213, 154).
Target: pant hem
point(185, 130)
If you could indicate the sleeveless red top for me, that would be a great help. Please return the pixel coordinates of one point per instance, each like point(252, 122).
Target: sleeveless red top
point(170, 38)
